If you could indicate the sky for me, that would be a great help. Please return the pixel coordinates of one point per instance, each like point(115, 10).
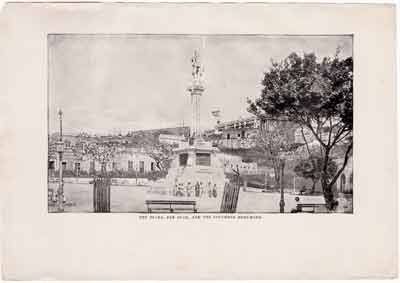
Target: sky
point(119, 83)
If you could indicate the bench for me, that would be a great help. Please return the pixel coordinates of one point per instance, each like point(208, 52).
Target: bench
point(171, 205)
point(310, 207)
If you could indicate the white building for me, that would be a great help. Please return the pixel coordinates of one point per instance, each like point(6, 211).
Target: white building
point(171, 139)
point(128, 160)
point(234, 162)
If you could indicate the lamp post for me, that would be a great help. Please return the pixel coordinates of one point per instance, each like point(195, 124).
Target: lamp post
point(282, 200)
point(286, 153)
point(294, 184)
point(60, 150)
point(283, 154)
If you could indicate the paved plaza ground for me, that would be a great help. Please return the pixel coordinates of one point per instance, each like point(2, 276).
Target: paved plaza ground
point(132, 199)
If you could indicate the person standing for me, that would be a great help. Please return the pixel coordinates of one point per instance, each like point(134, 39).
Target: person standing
point(214, 191)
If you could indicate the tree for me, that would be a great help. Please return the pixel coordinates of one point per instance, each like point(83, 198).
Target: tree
point(161, 153)
point(102, 152)
point(311, 168)
point(319, 97)
point(273, 141)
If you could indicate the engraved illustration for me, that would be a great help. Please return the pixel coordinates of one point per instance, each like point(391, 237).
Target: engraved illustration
point(200, 123)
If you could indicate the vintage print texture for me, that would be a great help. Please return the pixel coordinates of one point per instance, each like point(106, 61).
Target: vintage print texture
point(200, 123)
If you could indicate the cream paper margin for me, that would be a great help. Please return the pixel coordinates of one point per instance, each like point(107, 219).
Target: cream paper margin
point(38, 245)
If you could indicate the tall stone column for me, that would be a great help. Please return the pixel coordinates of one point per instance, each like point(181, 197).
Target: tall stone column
point(196, 90)
point(196, 93)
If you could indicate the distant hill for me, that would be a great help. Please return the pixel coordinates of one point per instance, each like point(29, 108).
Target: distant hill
point(131, 139)
point(179, 131)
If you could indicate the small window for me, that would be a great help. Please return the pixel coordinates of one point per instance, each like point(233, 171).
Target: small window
point(141, 166)
point(114, 165)
point(228, 136)
point(130, 165)
point(51, 165)
point(183, 158)
point(152, 166)
point(77, 168)
point(64, 165)
point(203, 159)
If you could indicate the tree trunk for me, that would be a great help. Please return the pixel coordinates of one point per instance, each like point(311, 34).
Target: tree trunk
point(313, 186)
point(328, 195)
point(277, 174)
point(326, 184)
point(282, 191)
point(103, 169)
point(329, 184)
point(282, 170)
point(93, 173)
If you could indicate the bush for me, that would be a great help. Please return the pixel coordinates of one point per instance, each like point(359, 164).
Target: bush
point(155, 175)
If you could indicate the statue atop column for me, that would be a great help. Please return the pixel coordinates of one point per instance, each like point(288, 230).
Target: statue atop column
point(197, 68)
point(196, 90)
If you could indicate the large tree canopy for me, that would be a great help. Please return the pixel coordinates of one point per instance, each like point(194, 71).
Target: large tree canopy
point(305, 91)
point(318, 95)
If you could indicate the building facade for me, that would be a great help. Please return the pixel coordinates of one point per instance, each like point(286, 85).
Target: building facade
point(235, 134)
point(131, 160)
point(126, 158)
point(242, 133)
